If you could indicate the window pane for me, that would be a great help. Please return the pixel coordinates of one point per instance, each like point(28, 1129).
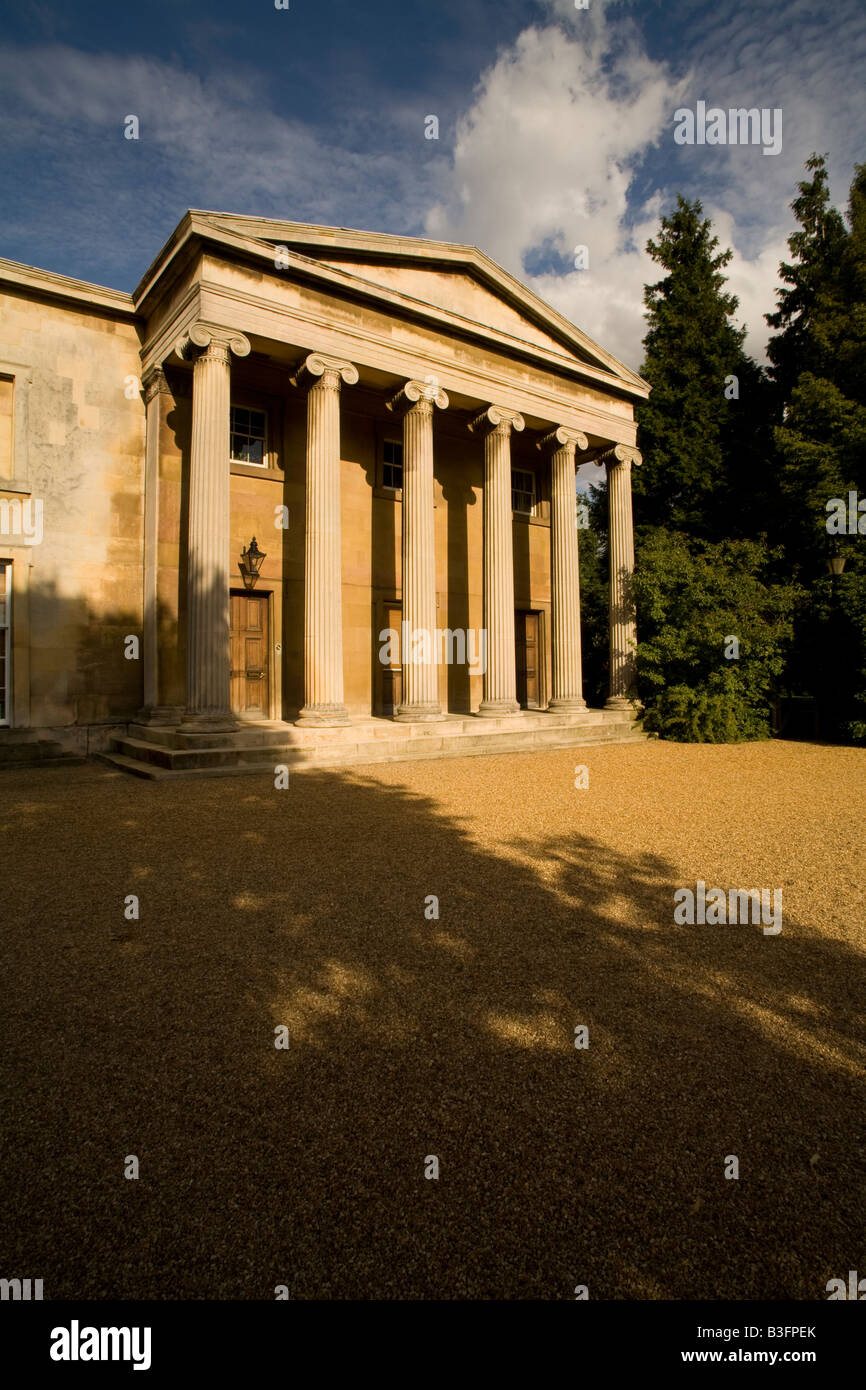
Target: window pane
point(248, 435)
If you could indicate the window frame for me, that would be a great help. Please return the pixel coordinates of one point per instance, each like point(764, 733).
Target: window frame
point(266, 464)
point(526, 473)
point(386, 463)
point(21, 375)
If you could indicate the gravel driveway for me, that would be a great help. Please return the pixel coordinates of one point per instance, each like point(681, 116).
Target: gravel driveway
point(412, 1036)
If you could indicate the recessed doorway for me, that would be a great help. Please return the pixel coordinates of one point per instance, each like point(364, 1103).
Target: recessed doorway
point(250, 656)
point(526, 633)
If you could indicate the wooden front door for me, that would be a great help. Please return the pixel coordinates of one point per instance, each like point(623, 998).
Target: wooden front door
point(250, 656)
point(392, 672)
point(526, 637)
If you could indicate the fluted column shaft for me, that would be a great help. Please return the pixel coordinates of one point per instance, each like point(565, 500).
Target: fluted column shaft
point(207, 640)
point(500, 677)
point(323, 572)
point(155, 386)
point(420, 694)
point(623, 629)
point(564, 571)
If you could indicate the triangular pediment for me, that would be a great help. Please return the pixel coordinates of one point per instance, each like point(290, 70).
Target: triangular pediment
point(446, 277)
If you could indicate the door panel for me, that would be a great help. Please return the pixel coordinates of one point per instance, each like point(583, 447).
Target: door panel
point(392, 674)
point(527, 654)
point(532, 684)
point(250, 656)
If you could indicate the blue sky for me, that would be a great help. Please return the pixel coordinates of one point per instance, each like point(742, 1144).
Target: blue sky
point(555, 130)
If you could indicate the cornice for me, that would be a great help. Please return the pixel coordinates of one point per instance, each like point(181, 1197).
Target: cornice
point(55, 286)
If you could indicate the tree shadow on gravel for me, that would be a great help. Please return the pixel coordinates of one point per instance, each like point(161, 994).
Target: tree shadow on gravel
point(409, 1037)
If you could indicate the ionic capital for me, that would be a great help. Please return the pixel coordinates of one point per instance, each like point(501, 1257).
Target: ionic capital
point(215, 340)
point(154, 384)
point(327, 372)
point(414, 392)
point(499, 418)
point(619, 455)
point(563, 437)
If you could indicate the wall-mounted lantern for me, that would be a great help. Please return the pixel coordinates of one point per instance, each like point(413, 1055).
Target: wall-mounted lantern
point(250, 563)
point(836, 563)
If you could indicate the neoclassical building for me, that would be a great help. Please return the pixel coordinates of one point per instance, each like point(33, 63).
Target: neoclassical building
point(306, 493)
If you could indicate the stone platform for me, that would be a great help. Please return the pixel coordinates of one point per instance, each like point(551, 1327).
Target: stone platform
point(159, 751)
point(28, 748)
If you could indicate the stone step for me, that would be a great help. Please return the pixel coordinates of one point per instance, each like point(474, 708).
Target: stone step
point(159, 760)
point(227, 755)
point(286, 735)
point(153, 773)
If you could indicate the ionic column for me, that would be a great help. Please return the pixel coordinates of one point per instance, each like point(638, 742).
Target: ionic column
point(323, 569)
point(154, 386)
point(623, 630)
point(420, 676)
point(207, 641)
point(500, 678)
point(564, 570)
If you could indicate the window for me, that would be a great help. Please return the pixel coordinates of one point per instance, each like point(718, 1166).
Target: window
point(392, 466)
point(523, 491)
point(248, 436)
point(5, 641)
point(7, 387)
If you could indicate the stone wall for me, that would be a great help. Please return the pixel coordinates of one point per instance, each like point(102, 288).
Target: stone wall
point(79, 452)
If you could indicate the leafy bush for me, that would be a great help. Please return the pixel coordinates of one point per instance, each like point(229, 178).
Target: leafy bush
point(692, 599)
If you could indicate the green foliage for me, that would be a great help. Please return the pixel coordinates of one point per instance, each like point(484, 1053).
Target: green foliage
point(714, 715)
point(814, 293)
point(689, 429)
point(822, 455)
point(594, 612)
point(819, 357)
point(692, 597)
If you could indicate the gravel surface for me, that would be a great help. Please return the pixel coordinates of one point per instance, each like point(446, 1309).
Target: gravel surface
point(411, 1036)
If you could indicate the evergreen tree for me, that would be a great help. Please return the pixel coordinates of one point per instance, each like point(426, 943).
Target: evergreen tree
point(819, 357)
point(814, 294)
point(693, 351)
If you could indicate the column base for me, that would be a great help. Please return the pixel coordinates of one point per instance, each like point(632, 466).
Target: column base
point(322, 716)
point(160, 714)
point(495, 709)
point(622, 702)
point(417, 714)
point(566, 704)
point(194, 723)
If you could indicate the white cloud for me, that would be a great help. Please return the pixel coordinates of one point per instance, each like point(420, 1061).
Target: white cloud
point(545, 155)
point(561, 120)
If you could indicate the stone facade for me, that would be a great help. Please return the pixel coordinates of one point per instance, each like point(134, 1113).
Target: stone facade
point(336, 349)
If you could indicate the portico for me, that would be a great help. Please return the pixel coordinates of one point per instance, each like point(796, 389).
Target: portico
point(397, 424)
point(338, 362)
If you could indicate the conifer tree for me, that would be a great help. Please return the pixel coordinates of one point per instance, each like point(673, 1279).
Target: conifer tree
point(693, 352)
